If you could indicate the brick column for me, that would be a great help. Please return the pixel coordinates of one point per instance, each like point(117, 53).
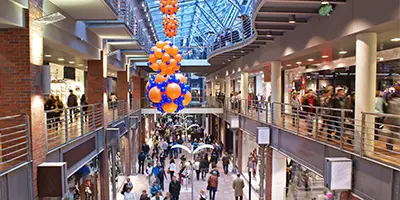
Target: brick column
point(122, 85)
point(97, 93)
point(240, 148)
point(137, 91)
point(21, 59)
point(268, 173)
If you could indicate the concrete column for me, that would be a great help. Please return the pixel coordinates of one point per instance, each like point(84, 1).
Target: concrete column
point(222, 131)
point(268, 173)
point(365, 87)
point(228, 89)
point(287, 95)
point(276, 87)
point(278, 175)
point(46, 79)
point(244, 88)
point(212, 89)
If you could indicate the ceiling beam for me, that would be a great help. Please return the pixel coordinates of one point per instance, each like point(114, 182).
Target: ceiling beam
point(274, 20)
point(286, 11)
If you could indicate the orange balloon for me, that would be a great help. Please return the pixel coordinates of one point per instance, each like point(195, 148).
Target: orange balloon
point(187, 99)
point(167, 48)
point(162, 67)
point(160, 78)
point(175, 50)
point(153, 48)
point(177, 68)
point(152, 58)
point(155, 95)
point(181, 78)
point(155, 66)
point(178, 57)
point(166, 58)
point(160, 44)
point(173, 63)
point(169, 107)
point(173, 91)
point(158, 53)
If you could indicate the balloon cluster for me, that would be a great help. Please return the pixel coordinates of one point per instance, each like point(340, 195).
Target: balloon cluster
point(167, 90)
point(170, 8)
point(170, 24)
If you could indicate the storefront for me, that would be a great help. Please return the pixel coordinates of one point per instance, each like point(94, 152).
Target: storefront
point(86, 180)
point(250, 159)
point(64, 79)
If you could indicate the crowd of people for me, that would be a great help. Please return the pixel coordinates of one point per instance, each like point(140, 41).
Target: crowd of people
point(160, 162)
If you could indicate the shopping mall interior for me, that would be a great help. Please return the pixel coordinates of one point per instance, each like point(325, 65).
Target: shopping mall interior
point(200, 99)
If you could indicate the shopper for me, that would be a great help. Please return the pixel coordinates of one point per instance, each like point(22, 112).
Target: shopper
point(238, 185)
point(72, 102)
point(339, 102)
point(141, 159)
point(212, 184)
point(145, 149)
point(309, 103)
point(168, 196)
point(155, 189)
point(393, 108)
point(49, 108)
point(127, 185)
point(380, 107)
point(58, 111)
point(149, 172)
point(129, 194)
point(157, 196)
point(161, 176)
point(113, 97)
point(174, 188)
point(84, 105)
point(204, 166)
point(295, 102)
point(225, 162)
point(203, 195)
point(171, 168)
point(144, 195)
point(86, 190)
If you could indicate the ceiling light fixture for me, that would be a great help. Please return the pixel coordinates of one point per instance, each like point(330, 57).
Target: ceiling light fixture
point(324, 56)
point(395, 40)
point(342, 52)
point(50, 18)
point(71, 62)
point(80, 65)
point(380, 58)
point(242, 51)
point(48, 56)
point(60, 59)
point(269, 34)
point(229, 60)
point(310, 60)
point(234, 56)
point(298, 62)
point(292, 19)
point(288, 65)
point(324, 2)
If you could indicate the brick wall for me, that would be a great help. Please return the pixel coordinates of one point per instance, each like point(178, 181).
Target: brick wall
point(138, 91)
point(122, 85)
point(240, 149)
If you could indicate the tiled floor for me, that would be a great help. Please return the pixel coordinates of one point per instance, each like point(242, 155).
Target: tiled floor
point(225, 191)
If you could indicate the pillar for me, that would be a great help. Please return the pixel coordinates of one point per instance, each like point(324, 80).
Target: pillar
point(21, 62)
point(212, 88)
point(222, 130)
point(268, 173)
point(228, 89)
point(136, 93)
point(244, 88)
point(240, 150)
point(278, 175)
point(365, 88)
point(97, 93)
point(276, 87)
point(46, 79)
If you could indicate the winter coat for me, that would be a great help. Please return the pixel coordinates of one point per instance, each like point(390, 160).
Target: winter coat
point(213, 181)
point(238, 185)
point(175, 188)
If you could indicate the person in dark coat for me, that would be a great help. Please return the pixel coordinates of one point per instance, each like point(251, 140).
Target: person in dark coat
point(174, 188)
point(141, 158)
point(72, 102)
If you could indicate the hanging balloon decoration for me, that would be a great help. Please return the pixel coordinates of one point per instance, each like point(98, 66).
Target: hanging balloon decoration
point(170, 22)
point(168, 90)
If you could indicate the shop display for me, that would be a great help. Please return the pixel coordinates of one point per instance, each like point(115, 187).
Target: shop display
point(61, 86)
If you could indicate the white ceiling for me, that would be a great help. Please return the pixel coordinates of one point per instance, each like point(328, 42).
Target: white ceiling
point(86, 9)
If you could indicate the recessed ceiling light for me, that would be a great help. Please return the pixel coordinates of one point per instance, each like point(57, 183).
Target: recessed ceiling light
point(80, 65)
point(395, 40)
point(269, 34)
point(325, 56)
point(310, 60)
point(47, 56)
point(242, 51)
point(380, 58)
point(234, 56)
point(229, 60)
point(60, 59)
point(342, 52)
point(223, 63)
point(288, 65)
point(71, 62)
point(324, 2)
point(261, 71)
point(298, 62)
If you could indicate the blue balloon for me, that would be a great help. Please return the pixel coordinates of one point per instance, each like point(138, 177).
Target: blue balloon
point(179, 52)
point(162, 89)
point(182, 85)
point(176, 80)
point(164, 96)
point(163, 51)
point(170, 44)
point(176, 101)
point(149, 63)
point(152, 83)
point(187, 87)
point(183, 91)
point(159, 85)
point(179, 64)
point(167, 63)
point(165, 83)
point(177, 71)
point(181, 98)
point(159, 71)
point(169, 100)
point(151, 52)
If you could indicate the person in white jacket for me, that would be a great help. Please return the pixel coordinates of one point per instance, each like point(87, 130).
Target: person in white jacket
point(129, 194)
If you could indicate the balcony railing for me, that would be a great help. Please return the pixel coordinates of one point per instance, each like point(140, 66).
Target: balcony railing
point(197, 102)
point(68, 124)
point(117, 110)
point(375, 136)
point(15, 143)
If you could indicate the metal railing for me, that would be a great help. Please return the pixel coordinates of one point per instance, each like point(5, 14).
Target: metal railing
point(236, 34)
point(197, 102)
point(65, 125)
point(117, 110)
point(375, 136)
point(15, 143)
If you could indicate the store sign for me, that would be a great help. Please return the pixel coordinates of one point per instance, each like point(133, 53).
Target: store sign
point(263, 135)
